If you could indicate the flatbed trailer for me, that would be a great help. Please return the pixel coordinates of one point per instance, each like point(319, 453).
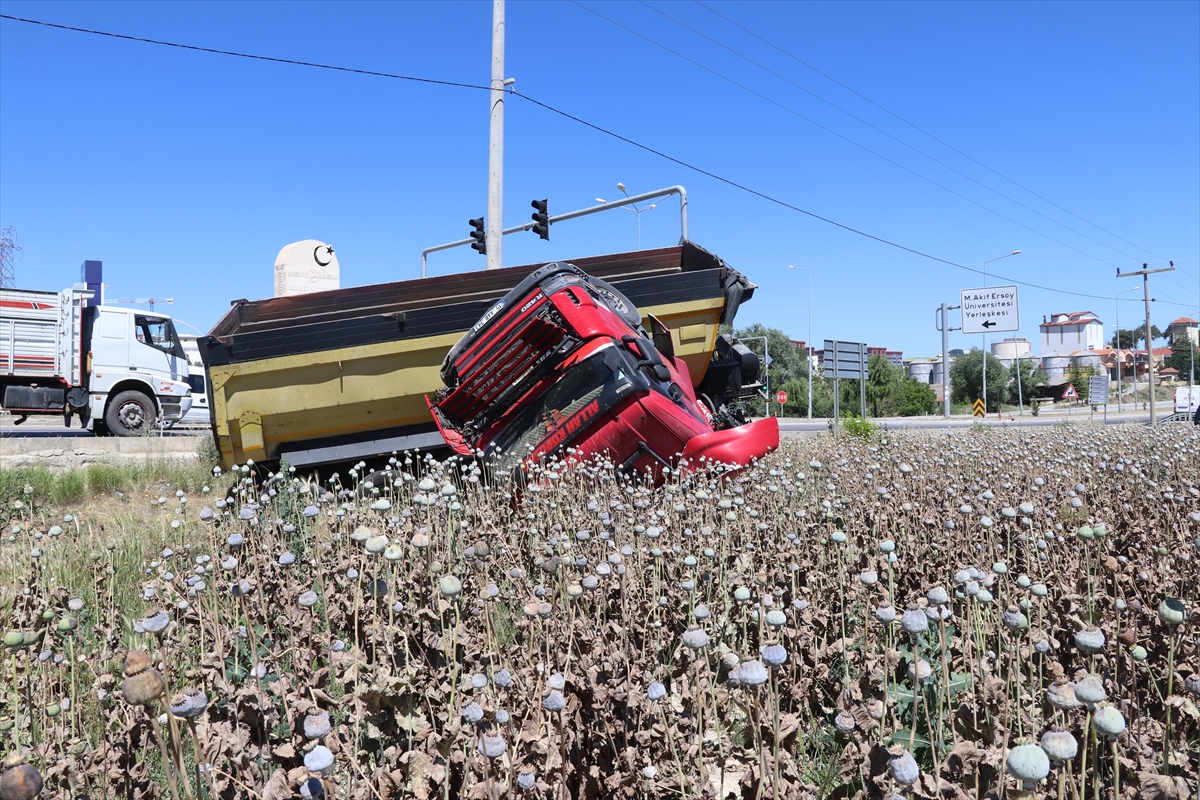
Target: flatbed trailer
point(341, 375)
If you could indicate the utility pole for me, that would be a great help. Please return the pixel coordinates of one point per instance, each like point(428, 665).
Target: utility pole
point(945, 328)
point(495, 201)
point(1146, 273)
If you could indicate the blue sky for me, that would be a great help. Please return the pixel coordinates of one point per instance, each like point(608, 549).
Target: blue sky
point(186, 172)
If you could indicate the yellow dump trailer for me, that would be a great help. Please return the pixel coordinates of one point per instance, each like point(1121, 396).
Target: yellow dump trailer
point(342, 375)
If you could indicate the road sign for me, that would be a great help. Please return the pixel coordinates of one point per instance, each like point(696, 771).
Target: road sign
point(847, 360)
point(990, 309)
point(1098, 390)
point(979, 409)
point(781, 397)
point(1070, 393)
point(850, 359)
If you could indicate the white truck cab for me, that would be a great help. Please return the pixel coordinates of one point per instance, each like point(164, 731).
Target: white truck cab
point(139, 371)
point(120, 370)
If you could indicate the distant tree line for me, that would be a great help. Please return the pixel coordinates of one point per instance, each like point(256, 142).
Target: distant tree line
point(889, 392)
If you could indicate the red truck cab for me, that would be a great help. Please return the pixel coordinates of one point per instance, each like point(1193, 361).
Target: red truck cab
point(563, 361)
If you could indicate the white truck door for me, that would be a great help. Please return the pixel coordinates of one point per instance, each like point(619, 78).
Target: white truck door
point(156, 348)
point(110, 345)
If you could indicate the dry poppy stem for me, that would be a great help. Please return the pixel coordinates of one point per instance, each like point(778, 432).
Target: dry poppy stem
point(162, 748)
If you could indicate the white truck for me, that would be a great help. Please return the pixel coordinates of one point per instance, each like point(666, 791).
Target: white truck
point(1187, 399)
point(121, 371)
point(197, 379)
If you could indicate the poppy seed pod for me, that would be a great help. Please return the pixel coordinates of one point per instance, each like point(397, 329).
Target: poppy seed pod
point(1090, 640)
point(844, 722)
point(1109, 721)
point(903, 769)
point(491, 745)
point(914, 621)
point(1090, 691)
point(20, 782)
point(1172, 611)
point(773, 654)
point(1029, 764)
point(751, 673)
point(189, 704)
point(316, 726)
point(319, 759)
point(143, 688)
point(1060, 746)
point(554, 701)
point(1061, 695)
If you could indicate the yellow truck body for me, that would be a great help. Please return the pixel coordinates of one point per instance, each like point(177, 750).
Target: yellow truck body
point(339, 375)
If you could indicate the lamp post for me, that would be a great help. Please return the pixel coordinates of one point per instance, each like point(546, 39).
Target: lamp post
point(985, 354)
point(809, 355)
point(1117, 336)
point(635, 210)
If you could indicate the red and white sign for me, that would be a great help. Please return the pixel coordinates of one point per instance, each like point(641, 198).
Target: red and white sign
point(1070, 393)
point(781, 397)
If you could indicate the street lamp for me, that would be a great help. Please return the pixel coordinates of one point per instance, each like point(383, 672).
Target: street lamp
point(985, 354)
point(811, 350)
point(1117, 312)
point(635, 210)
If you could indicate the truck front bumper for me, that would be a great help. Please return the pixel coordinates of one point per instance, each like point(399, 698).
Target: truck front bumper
point(174, 407)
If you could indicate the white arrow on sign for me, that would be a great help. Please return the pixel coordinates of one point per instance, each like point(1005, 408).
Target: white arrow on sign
point(990, 309)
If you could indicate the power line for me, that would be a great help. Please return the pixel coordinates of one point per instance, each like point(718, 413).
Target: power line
point(581, 121)
point(236, 54)
point(920, 129)
point(841, 136)
point(788, 205)
point(877, 129)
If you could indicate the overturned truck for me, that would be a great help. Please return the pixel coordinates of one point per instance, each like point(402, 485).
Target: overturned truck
point(342, 375)
point(563, 365)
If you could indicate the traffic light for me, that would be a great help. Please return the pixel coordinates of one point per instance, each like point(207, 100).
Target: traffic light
point(477, 233)
point(541, 218)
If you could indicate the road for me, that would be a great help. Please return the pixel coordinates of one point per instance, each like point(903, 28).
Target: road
point(1077, 416)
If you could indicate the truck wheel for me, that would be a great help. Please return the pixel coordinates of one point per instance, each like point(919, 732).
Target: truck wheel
point(130, 413)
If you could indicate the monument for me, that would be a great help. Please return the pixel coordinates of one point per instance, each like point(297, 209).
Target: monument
point(306, 267)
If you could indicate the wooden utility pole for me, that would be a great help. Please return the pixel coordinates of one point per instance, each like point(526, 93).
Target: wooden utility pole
point(1146, 273)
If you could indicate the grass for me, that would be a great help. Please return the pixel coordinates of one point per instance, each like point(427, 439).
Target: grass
point(75, 485)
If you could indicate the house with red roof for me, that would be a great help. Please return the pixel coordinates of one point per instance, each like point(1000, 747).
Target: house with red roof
point(1184, 326)
point(1066, 333)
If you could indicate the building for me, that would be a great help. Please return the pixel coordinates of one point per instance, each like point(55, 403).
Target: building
point(1184, 326)
point(895, 357)
point(1066, 333)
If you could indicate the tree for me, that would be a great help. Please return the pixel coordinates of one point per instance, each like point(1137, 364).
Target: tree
point(915, 399)
point(1078, 377)
point(1031, 378)
point(1129, 338)
point(883, 385)
point(966, 378)
point(1183, 360)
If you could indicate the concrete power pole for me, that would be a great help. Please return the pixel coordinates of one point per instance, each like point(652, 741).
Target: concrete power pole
point(1146, 273)
point(495, 204)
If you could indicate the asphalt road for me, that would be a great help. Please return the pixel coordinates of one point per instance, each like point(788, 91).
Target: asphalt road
point(1078, 416)
point(51, 427)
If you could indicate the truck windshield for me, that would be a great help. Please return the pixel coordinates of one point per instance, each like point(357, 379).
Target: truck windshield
point(585, 392)
point(159, 333)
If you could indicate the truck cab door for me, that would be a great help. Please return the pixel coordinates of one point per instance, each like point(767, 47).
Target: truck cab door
point(110, 347)
point(156, 350)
